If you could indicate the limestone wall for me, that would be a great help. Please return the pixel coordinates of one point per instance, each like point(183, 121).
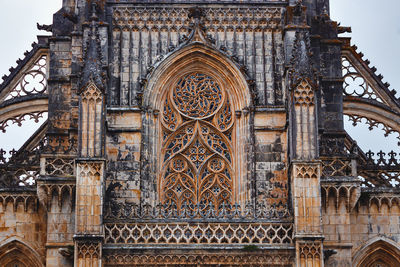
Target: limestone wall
point(23, 220)
point(373, 218)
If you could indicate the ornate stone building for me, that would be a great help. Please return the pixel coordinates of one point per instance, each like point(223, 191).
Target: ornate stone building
point(197, 133)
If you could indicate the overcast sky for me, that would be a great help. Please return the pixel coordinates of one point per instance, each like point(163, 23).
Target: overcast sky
point(375, 25)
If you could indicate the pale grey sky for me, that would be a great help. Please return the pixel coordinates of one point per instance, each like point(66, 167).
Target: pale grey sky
point(375, 24)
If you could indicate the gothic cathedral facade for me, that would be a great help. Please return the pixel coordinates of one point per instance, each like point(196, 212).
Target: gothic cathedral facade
point(197, 133)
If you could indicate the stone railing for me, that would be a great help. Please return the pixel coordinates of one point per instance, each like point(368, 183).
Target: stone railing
point(237, 225)
point(198, 233)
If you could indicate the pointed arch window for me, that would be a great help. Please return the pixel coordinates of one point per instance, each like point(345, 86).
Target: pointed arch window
point(197, 125)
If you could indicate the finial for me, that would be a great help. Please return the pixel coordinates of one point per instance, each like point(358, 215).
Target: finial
point(196, 12)
point(94, 11)
point(325, 11)
point(198, 31)
point(298, 8)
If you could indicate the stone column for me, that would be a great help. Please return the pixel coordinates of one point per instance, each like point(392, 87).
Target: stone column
point(90, 165)
point(88, 222)
point(89, 179)
point(55, 186)
point(305, 172)
point(307, 213)
point(305, 168)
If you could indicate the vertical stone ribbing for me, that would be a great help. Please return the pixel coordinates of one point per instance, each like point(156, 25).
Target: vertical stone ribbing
point(124, 71)
point(263, 63)
point(268, 46)
point(90, 165)
point(304, 129)
point(237, 33)
point(91, 119)
point(131, 86)
point(115, 68)
point(305, 169)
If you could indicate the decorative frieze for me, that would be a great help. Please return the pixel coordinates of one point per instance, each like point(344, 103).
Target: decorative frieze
point(342, 191)
point(59, 145)
point(132, 212)
point(199, 233)
point(46, 190)
point(59, 166)
point(306, 171)
point(22, 177)
point(336, 167)
point(27, 199)
point(231, 259)
point(23, 116)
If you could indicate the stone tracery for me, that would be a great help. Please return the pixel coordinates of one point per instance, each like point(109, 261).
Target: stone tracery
point(197, 156)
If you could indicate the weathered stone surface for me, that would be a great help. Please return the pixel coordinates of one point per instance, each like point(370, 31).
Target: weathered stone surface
point(197, 133)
